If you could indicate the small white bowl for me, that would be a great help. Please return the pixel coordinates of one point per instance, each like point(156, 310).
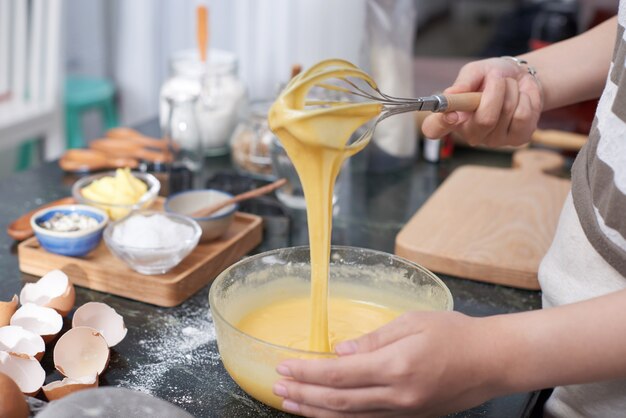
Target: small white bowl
point(156, 260)
point(213, 226)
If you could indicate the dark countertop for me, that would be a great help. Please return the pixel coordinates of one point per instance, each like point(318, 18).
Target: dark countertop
point(172, 353)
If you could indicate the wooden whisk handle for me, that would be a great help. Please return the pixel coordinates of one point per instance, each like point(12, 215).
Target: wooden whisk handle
point(462, 102)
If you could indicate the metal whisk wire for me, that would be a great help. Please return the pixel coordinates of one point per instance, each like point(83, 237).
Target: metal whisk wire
point(342, 74)
point(391, 105)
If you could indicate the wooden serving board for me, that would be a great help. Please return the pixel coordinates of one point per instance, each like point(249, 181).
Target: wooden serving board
point(490, 224)
point(101, 270)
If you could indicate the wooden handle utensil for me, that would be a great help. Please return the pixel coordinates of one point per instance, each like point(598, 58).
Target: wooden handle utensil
point(202, 30)
point(117, 148)
point(462, 102)
point(136, 137)
point(209, 210)
point(85, 160)
point(569, 141)
point(20, 228)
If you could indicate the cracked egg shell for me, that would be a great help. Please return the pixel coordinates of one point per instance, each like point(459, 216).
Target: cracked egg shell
point(17, 340)
point(81, 352)
point(103, 318)
point(38, 319)
point(60, 388)
point(25, 371)
point(7, 309)
point(54, 290)
point(12, 402)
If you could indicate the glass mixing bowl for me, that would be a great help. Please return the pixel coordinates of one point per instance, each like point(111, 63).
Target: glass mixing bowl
point(357, 273)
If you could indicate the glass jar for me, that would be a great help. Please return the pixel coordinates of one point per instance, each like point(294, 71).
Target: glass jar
point(292, 193)
point(183, 136)
point(251, 143)
point(222, 96)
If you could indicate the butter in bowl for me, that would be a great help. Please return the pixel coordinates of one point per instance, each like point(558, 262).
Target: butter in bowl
point(72, 230)
point(117, 192)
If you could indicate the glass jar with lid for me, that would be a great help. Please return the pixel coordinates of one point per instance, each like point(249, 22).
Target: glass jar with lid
point(222, 96)
point(251, 143)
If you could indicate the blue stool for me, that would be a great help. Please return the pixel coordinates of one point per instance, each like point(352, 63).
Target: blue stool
point(81, 94)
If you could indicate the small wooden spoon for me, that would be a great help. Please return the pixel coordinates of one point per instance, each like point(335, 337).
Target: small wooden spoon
point(568, 141)
point(209, 210)
point(20, 228)
point(82, 160)
point(136, 137)
point(118, 148)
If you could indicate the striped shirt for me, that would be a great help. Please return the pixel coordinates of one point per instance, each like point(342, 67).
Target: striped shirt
point(599, 172)
point(588, 255)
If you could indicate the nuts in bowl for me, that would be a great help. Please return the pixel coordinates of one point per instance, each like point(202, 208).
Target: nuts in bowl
point(117, 192)
point(72, 230)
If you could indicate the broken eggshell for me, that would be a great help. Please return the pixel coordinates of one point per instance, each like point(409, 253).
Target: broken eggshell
point(12, 402)
point(81, 352)
point(103, 318)
point(7, 309)
point(38, 319)
point(25, 371)
point(60, 388)
point(17, 340)
point(54, 290)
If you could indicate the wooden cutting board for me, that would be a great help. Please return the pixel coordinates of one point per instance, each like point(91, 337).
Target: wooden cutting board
point(490, 224)
point(101, 270)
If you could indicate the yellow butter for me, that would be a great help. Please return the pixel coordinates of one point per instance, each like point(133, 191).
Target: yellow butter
point(121, 189)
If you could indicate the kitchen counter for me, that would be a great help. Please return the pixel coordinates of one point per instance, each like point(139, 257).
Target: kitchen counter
point(172, 353)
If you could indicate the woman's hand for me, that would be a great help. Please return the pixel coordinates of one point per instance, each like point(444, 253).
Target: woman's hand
point(509, 109)
point(421, 364)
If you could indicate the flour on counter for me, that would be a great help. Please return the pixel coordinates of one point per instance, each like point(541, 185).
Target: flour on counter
point(183, 340)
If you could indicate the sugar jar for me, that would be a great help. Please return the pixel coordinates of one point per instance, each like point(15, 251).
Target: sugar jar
point(222, 95)
point(251, 142)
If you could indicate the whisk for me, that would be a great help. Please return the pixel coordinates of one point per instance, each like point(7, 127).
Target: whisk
point(336, 75)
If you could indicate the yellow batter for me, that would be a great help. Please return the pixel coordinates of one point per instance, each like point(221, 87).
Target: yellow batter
point(315, 138)
point(282, 322)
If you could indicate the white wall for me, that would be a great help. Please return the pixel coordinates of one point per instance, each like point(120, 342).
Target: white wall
point(132, 40)
point(85, 38)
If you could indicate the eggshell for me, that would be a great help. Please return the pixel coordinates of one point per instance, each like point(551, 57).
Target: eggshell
point(81, 352)
point(24, 370)
point(12, 402)
point(54, 290)
point(103, 318)
point(38, 319)
point(60, 388)
point(17, 340)
point(7, 309)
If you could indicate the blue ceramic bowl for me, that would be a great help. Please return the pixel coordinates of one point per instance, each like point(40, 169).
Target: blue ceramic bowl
point(75, 243)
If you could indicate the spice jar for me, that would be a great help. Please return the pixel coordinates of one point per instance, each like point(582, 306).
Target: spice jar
point(222, 96)
point(251, 143)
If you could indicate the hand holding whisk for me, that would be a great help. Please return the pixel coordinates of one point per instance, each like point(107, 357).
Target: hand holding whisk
point(348, 81)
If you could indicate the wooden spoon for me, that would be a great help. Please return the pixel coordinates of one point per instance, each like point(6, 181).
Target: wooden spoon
point(209, 210)
point(569, 141)
point(82, 160)
point(20, 228)
point(136, 137)
point(117, 148)
point(202, 31)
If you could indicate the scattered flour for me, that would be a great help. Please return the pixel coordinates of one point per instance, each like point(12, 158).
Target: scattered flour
point(185, 339)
